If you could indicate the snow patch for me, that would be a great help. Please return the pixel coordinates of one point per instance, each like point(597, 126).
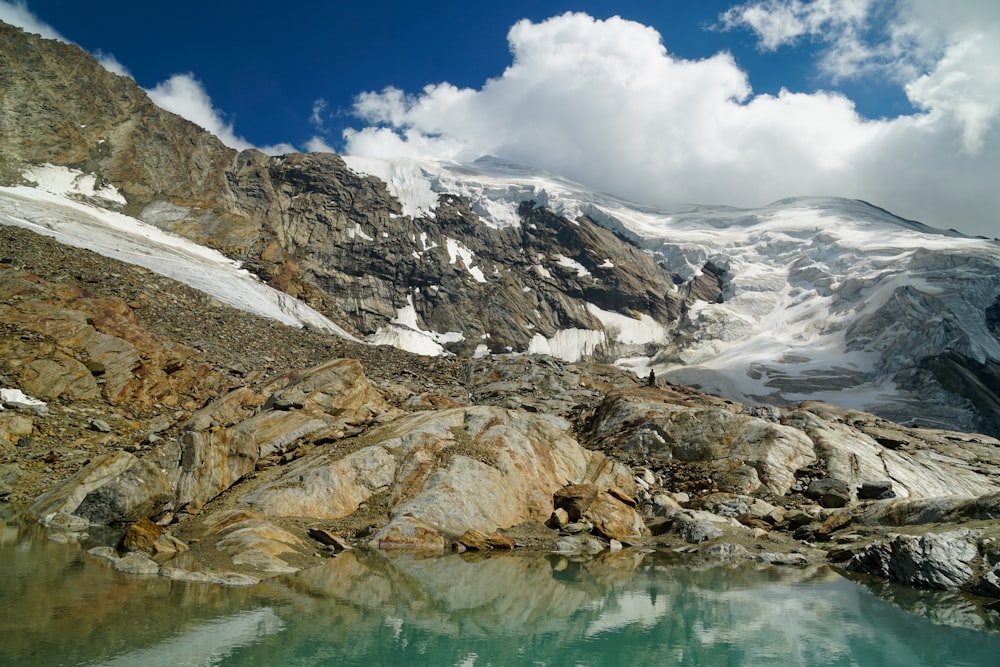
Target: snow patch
point(17, 399)
point(573, 265)
point(65, 181)
point(567, 344)
point(630, 330)
point(455, 250)
point(129, 240)
point(405, 333)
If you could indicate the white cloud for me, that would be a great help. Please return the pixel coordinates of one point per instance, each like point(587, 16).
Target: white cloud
point(318, 117)
point(318, 145)
point(17, 14)
point(185, 96)
point(110, 63)
point(604, 103)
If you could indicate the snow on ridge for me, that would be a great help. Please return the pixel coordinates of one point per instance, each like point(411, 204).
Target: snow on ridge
point(49, 211)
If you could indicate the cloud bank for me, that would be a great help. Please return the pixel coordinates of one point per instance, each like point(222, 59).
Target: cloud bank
point(603, 102)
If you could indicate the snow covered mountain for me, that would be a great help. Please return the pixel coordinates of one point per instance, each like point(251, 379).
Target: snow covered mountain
point(810, 298)
point(821, 298)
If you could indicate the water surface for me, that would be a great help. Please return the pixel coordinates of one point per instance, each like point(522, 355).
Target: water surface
point(59, 606)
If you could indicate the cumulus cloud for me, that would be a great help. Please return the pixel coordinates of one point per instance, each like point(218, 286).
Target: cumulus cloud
point(184, 95)
point(604, 103)
point(110, 63)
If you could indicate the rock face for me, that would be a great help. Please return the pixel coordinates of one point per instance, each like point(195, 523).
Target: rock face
point(312, 227)
point(441, 474)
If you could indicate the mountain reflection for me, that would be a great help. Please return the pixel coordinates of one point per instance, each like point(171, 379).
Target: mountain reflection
point(60, 606)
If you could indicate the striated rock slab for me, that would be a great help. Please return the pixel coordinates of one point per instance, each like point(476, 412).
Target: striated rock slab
point(324, 487)
point(502, 471)
point(746, 453)
point(226, 439)
point(933, 560)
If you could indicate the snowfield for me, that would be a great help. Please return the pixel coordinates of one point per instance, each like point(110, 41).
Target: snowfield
point(51, 209)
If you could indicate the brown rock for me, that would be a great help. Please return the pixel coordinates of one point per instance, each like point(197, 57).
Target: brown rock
point(615, 520)
point(474, 539)
point(479, 541)
point(141, 536)
point(146, 536)
point(498, 541)
point(833, 524)
point(575, 499)
point(558, 519)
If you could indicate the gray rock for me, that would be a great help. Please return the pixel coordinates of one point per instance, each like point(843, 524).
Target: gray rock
point(580, 544)
point(136, 563)
point(829, 492)
point(933, 560)
point(880, 490)
point(99, 425)
point(697, 527)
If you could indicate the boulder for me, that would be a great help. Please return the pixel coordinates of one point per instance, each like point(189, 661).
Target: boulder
point(829, 492)
point(146, 536)
point(575, 499)
point(614, 519)
point(128, 493)
point(932, 560)
point(880, 490)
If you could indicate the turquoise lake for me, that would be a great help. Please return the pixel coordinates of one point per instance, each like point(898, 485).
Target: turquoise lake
point(60, 606)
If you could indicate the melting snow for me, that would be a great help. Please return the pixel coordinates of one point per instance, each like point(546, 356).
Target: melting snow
point(405, 333)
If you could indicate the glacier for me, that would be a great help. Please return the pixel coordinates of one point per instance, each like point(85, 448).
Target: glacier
point(825, 298)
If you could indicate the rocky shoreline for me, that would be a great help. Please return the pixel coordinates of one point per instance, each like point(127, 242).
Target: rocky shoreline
point(226, 448)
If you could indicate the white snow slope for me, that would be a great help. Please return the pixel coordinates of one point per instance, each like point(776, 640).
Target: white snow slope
point(826, 298)
point(51, 209)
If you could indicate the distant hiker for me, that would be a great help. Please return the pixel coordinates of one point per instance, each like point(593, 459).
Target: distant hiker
point(651, 380)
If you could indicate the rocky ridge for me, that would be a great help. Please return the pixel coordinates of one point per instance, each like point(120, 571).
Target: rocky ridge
point(244, 449)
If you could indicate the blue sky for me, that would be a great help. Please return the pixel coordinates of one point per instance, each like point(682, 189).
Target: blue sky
point(893, 101)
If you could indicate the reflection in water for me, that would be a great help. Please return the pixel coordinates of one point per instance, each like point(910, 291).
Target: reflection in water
point(59, 606)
